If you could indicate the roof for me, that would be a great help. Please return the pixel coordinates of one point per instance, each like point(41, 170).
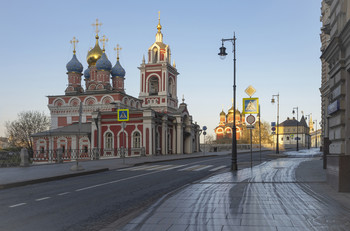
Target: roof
point(72, 129)
point(293, 123)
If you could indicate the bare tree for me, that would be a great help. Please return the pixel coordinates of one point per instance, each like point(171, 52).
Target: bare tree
point(209, 139)
point(265, 135)
point(27, 123)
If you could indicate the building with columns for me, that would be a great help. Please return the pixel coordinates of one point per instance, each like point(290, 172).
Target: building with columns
point(84, 119)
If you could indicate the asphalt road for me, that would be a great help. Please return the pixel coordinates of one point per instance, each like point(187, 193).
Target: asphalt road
point(94, 201)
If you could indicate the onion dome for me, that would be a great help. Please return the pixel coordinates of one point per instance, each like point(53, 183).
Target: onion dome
point(74, 65)
point(222, 113)
point(230, 111)
point(87, 73)
point(94, 54)
point(103, 63)
point(118, 70)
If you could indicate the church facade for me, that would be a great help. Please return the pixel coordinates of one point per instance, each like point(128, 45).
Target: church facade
point(224, 130)
point(84, 120)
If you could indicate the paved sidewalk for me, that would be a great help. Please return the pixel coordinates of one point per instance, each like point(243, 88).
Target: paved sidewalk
point(283, 194)
point(19, 176)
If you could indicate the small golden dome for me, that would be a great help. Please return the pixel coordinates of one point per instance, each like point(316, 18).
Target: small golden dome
point(94, 54)
point(159, 27)
point(231, 110)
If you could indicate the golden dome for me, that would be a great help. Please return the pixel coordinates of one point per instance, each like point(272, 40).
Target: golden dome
point(231, 110)
point(94, 54)
point(159, 27)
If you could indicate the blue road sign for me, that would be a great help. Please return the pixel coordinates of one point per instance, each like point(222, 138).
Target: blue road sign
point(123, 114)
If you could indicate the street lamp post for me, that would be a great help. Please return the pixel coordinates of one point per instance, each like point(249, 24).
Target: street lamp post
point(308, 141)
point(297, 126)
point(278, 116)
point(222, 55)
point(315, 134)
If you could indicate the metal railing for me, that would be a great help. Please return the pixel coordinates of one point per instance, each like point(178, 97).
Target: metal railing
point(13, 158)
point(60, 155)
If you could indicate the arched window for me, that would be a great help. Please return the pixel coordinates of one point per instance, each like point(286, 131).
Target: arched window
point(155, 54)
point(153, 85)
point(171, 87)
point(108, 140)
point(136, 139)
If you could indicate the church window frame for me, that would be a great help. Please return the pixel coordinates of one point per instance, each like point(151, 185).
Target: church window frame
point(171, 86)
point(108, 138)
point(153, 85)
point(155, 52)
point(136, 139)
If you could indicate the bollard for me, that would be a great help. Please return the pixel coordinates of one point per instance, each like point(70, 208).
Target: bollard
point(24, 158)
point(143, 151)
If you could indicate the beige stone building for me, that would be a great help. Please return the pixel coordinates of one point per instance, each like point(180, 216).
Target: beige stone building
point(335, 91)
point(290, 130)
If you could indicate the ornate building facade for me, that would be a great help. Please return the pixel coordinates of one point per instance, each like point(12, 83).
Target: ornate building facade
point(224, 130)
point(85, 118)
point(335, 91)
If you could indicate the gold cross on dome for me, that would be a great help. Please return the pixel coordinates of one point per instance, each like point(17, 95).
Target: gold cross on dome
point(74, 42)
point(97, 25)
point(118, 48)
point(159, 15)
point(104, 40)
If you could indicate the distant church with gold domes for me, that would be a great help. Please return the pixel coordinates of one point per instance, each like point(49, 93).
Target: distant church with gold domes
point(224, 130)
point(85, 119)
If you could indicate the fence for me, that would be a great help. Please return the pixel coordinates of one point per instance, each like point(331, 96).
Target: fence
point(61, 155)
point(10, 159)
point(13, 158)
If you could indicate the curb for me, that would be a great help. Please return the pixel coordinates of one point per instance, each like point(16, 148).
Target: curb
point(53, 178)
point(159, 161)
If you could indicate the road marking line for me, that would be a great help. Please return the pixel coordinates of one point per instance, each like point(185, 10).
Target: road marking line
point(202, 168)
point(160, 167)
point(147, 167)
point(128, 169)
point(20, 204)
point(190, 168)
point(61, 194)
point(215, 169)
point(44, 198)
point(176, 166)
point(115, 181)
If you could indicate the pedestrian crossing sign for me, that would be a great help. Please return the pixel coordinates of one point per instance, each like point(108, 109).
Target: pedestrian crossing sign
point(250, 105)
point(123, 114)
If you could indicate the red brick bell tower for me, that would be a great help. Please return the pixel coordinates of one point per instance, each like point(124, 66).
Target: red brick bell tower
point(158, 77)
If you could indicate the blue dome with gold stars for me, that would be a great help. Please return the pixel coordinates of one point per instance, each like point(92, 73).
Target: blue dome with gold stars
point(118, 70)
point(103, 63)
point(74, 65)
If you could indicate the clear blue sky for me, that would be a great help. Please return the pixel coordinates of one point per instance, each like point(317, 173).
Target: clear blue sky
point(278, 50)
